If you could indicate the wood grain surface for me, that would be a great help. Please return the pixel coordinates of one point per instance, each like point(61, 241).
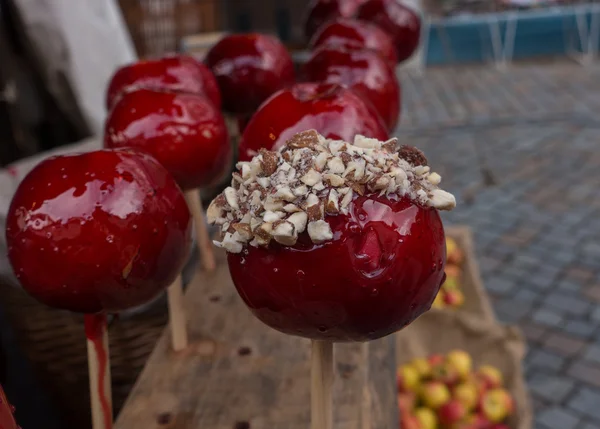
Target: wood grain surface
point(239, 374)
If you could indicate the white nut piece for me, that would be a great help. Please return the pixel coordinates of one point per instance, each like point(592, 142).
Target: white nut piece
point(312, 200)
point(300, 191)
point(230, 243)
point(213, 212)
point(270, 216)
point(312, 177)
point(292, 208)
point(334, 180)
point(321, 161)
point(265, 182)
point(366, 143)
point(319, 231)
point(299, 221)
point(285, 233)
point(434, 179)
point(285, 193)
point(231, 197)
point(336, 165)
point(442, 200)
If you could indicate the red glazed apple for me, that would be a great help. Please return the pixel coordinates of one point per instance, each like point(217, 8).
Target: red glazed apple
point(184, 132)
point(396, 19)
point(249, 69)
point(365, 72)
point(324, 242)
point(331, 109)
point(354, 34)
point(322, 11)
point(100, 231)
point(7, 419)
point(177, 73)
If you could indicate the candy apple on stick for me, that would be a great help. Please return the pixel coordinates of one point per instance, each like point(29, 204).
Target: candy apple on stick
point(355, 35)
point(188, 136)
point(334, 241)
point(98, 233)
point(175, 73)
point(332, 109)
point(365, 72)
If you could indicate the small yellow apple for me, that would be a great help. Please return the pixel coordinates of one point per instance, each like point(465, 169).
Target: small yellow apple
point(422, 366)
point(408, 378)
point(461, 361)
point(497, 405)
point(467, 393)
point(490, 376)
point(434, 394)
point(427, 418)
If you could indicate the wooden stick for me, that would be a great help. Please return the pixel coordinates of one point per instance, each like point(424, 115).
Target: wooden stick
point(321, 385)
point(99, 370)
point(177, 319)
point(204, 244)
point(366, 404)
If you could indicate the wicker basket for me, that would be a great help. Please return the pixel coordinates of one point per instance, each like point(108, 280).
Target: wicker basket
point(158, 26)
point(54, 342)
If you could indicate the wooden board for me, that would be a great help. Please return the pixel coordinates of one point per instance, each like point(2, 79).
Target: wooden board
point(238, 373)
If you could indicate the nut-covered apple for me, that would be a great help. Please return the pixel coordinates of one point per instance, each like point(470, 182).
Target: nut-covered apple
point(398, 20)
point(175, 73)
point(325, 242)
point(333, 110)
point(364, 71)
point(249, 68)
point(354, 34)
point(99, 231)
point(321, 11)
point(184, 132)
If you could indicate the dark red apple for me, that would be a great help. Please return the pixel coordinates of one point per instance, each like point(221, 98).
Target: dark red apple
point(382, 270)
point(322, 11)
point(331, 109)
point(365, 72)
point(7, 419)
point(184, 132)
point(354, 34)
point(100, 231)
point(396, 19)
point(249, 69)
point(177, 73)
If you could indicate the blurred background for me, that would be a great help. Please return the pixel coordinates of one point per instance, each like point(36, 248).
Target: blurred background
point(503, 96)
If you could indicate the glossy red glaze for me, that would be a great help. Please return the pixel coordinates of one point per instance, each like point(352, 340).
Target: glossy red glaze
point(177, 73)
point(322, 11)
point(398, 20)
point(357, 35)
point(249, 69)
point(381, 271)
point(365, 72)
point(100, 231)
point(184, 132)
point(7, 419)
point(333, 110)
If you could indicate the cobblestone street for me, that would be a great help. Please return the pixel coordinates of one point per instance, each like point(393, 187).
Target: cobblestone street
point(521, 151)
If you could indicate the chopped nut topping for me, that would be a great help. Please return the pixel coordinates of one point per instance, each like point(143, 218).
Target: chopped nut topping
point(280, 195)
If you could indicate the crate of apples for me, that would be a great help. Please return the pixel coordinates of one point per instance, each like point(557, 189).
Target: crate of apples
point(448, 392)
point(451, 294)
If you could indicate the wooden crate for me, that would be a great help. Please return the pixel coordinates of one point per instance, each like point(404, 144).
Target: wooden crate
point(477, 301)
point(238, 373)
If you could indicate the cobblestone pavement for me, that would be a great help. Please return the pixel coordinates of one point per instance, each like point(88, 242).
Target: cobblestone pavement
point(521, 150)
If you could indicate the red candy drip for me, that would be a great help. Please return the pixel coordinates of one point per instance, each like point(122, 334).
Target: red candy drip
point(95, 325)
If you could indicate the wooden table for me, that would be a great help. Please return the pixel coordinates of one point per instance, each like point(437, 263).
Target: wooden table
point(240, 374)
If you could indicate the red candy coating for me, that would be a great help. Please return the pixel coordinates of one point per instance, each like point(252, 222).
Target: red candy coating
point(354, 34)
point(322, 11)
point(382, 270)
point(178, 73)
point(333, 110)
point(100, 231)
point(184, 132)
point(7, 419)
point(365, 72)
point(398, 20)
point(249, 69)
